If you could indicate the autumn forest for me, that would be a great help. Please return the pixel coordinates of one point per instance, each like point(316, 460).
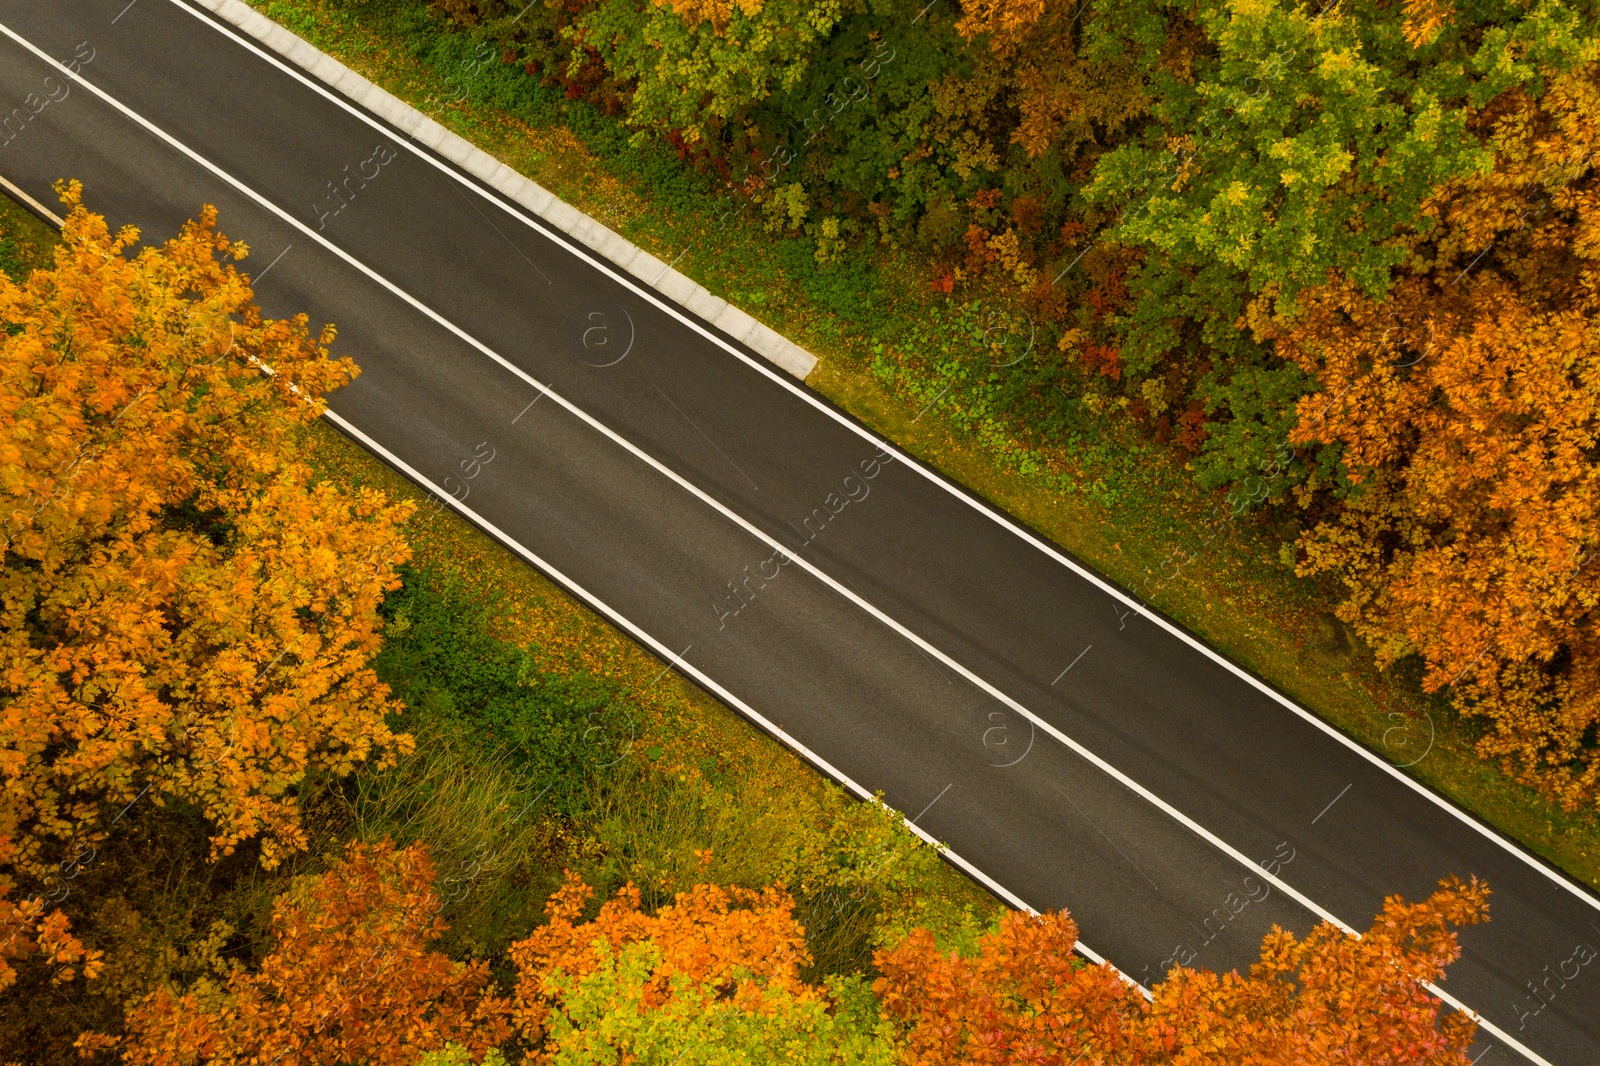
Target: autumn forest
point(285, 782)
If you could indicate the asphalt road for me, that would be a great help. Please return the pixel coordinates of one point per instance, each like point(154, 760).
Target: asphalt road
point(1072, 752)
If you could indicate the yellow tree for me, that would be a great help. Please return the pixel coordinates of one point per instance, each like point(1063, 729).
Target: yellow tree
point(712, 977)
point(731, 938)
point(184, 615)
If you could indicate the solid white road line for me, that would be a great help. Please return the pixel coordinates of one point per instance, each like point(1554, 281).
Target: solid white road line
point(30, 201)
point(752, 530)
point(675, 659)
point(783, 381)
point(671, 658)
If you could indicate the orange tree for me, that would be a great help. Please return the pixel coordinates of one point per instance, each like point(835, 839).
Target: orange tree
point(714, 977)
point(183, 613)
point(715, 973)
point(349, 979)
point(1464, 412)
point(1328, 998)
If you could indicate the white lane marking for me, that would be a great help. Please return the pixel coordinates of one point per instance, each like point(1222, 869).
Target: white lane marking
point(31, 202)
point(759, 534)
point(1001, 519)
point(672, 659)
point(639, 634)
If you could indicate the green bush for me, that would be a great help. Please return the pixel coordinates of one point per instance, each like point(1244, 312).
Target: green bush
point(461, 681)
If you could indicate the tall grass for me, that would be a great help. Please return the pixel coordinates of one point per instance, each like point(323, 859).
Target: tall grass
point(496, 850)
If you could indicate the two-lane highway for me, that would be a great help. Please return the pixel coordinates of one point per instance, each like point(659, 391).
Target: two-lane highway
point(905, 637)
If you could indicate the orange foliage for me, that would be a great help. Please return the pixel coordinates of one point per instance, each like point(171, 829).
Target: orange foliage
point(1424, 20)
point(1006, 22)
point(741, 940)
point(1468, 410)
point(1329, 998)
point(181, 611)
point(1025, 998)
point(349, 979)
point(26, 929)
point(716, 12)
point(1057, 89)
point(1104, 359)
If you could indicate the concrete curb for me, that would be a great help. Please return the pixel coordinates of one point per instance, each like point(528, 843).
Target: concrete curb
point(684, 292)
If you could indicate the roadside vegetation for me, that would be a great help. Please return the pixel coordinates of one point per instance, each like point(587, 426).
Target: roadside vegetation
point(1307, 496)
point(299, 768)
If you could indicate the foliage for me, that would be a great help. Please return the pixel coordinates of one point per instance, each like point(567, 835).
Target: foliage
point(511, 757)
point(714, 976)
point(696, 64)
point(25, 242)
point(1464, 411)
point(350, 979)
point(1024, 997)
point(184, 613)
point(29, 929)
point(1325, 999)
point(441, 657)
point(859, 879)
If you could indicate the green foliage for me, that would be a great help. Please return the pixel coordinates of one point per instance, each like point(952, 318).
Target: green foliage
point(25, 242)
point(697, 64)
point(610, 1015)
point(1303, 143)
point(442, 659)
point(507, 754)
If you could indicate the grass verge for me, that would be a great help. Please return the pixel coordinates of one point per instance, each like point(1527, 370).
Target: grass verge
point(519, 696)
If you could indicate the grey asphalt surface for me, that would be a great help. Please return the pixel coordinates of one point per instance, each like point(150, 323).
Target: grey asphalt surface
point(1040, 819)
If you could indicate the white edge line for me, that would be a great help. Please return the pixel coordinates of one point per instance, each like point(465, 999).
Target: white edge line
point(31, 202)
point(1003, 520)
point(738, 520)
point(513, 544)
point(415, 126)
point(673, 659)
